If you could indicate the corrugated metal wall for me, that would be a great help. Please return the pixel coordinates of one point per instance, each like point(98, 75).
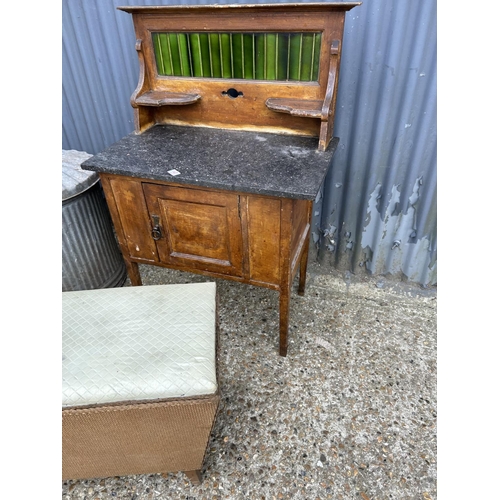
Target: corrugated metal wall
point(377, 210)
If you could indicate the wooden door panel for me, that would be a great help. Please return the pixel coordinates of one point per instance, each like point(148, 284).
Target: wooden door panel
point(132, 213)
point(197, 230)
point(200, 229)
point(264, 222)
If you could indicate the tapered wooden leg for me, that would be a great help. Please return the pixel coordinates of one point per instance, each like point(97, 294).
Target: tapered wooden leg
point(285, 271)
point(303, 268)
point(194, 476)
point(284, 315)
point(133, 272)
point(305, 252)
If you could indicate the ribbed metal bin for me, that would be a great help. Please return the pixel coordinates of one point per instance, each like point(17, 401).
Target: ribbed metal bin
point(90, 254)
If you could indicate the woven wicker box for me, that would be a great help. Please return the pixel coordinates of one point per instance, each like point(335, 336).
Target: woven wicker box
point(140, 388)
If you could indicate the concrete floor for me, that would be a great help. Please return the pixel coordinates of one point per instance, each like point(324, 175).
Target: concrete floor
point(350, 413)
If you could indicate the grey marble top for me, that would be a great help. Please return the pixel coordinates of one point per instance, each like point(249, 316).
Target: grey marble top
point(253, 162)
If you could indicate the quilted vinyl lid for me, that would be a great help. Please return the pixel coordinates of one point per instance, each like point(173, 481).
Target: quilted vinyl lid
point(138, 343)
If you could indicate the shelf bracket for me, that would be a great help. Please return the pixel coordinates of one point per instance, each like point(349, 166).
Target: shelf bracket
point(142, 72)
point(328, 109)
point(143, 118)
point(309, 108)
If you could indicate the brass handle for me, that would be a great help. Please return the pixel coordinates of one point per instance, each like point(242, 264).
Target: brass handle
point(156, 231)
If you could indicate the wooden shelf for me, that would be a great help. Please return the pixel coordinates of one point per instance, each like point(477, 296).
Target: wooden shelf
point(298, 107)
point(158, 98)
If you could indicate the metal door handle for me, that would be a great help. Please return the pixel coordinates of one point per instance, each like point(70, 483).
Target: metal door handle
point(156, 231)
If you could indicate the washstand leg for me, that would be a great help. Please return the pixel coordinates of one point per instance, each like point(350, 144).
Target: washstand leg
point(284, 317)
point(194, 476)
point(133, 272)
point(303, 268)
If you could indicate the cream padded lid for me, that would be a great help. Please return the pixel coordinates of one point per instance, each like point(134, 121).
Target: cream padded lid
point(138, 343)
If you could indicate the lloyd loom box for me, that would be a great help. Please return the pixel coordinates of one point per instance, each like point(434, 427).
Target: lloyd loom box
point(234, 115)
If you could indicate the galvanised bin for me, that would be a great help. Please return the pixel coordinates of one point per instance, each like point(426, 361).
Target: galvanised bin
point(91, 257)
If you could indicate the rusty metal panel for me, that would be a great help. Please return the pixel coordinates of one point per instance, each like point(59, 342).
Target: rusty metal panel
point(377, 210)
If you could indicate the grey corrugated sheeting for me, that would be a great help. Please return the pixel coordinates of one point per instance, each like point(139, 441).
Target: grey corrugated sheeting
point(377, 211)
point(100, 72)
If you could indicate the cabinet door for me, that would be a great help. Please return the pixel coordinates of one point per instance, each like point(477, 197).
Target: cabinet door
point(263, 215)
point(125, 198)
point(197, 229)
